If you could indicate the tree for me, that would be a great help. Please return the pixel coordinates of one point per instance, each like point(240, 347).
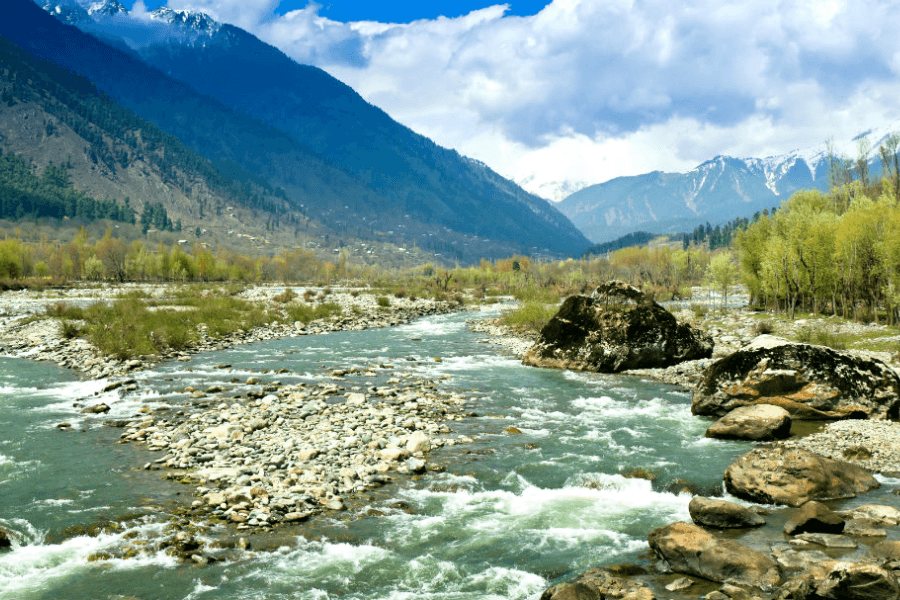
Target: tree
point(722, 273)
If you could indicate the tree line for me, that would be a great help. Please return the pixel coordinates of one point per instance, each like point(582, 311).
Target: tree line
point(836, 252)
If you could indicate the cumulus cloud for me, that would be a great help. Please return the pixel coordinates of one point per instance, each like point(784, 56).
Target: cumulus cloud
point(591, 89)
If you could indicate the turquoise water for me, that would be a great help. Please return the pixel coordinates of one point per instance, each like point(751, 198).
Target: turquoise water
point(511, 513)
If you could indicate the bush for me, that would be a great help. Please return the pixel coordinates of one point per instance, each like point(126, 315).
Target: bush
point(383, 301)
point(69, 329)
point(531, 317)
point(700, 310)
point(285, 296)
point(764, 327)
point(400, 293)
point(306, 313)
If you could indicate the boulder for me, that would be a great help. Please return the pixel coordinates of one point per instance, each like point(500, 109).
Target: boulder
point(599, 583)
point(688, 549)
point(810, 382)
point(791, 476)
point(6, 538)
point(857, 581)
point(721, 514)
point(759, 422)
point(616, 328)
point(814, 517)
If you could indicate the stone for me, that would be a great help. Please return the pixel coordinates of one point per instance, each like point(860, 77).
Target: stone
point(6, 538)
point(214, 498)
point(721, 514)
point(296, 517)
point(758, 422)
point(880, 514)
point(810, 382)
point(814, 517)
point(616, 328)
point(418, 442)
point(393, 454)
point(791, 476)
point(96, 409)
point(864, 528)
point(829, 540)
point(887, 551)
point(690, 550)
point(857, 581)
point(682, 583)
point(596, 584)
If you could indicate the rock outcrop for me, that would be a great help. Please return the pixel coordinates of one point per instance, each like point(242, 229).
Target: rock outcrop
point(616, 328)
point(721, 514)
point(688, 549)
point(778, 475)
point(758, 423)
point(810, 382)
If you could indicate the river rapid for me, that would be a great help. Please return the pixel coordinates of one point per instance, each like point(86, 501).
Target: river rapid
point(510, 513)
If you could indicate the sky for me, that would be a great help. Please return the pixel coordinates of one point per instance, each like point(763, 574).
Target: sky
point(588, 90)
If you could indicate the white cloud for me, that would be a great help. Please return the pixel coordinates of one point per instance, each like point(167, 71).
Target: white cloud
point(591, 89)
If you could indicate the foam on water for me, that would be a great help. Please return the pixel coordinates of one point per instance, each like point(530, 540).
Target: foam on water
point(32, 568)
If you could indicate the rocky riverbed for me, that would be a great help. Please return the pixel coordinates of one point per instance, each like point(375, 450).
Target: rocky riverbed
point(280, 454)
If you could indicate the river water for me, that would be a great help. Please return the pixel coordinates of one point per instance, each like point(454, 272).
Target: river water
point(510, 515)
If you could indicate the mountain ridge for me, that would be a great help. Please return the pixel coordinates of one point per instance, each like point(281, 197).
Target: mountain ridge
point(715, 191)
point(390, 181)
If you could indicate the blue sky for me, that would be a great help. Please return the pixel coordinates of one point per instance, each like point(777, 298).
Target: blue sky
point(589, 90)
point(395, 12)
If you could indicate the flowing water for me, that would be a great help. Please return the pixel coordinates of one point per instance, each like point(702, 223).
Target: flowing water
point(510, 515)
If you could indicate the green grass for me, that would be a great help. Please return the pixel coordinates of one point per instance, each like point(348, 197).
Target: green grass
point(128, 328)
point(297, 311)
point(531, 317)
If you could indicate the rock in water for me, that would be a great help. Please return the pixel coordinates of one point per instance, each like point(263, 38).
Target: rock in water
point(857, 581)
point(616, 328)
point(810, 382)
point(814, 517)
point(760, 422)
point(721, 514)
point(599, 583)
point(690, 550)
point(777, 475)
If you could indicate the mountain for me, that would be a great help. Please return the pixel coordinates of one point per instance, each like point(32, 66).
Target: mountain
point(554, 191)
point(238, 101)
point(50, 117)
point(717, 191)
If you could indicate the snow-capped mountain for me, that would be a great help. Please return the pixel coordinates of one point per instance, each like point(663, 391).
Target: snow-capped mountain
point(554, 191)
point(719, 190)
point(79, 12)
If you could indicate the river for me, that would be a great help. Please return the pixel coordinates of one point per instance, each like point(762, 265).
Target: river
point(510, 514)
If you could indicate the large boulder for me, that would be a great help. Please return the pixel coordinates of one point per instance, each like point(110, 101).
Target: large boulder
point(791, 476)
point(616, 328)
point(722, 514)
point(810, 382)
point(758, 423)
point(689, 549)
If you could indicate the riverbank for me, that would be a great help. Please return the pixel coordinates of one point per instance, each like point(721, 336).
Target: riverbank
point(26, 332)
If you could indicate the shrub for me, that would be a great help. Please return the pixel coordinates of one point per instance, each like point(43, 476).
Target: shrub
point(400, 293)
point(700, 310)
point(531, 317)
point(383, 301)
point(764, 327)
point(69, 329)
point(285, 296)
point(306, 313)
